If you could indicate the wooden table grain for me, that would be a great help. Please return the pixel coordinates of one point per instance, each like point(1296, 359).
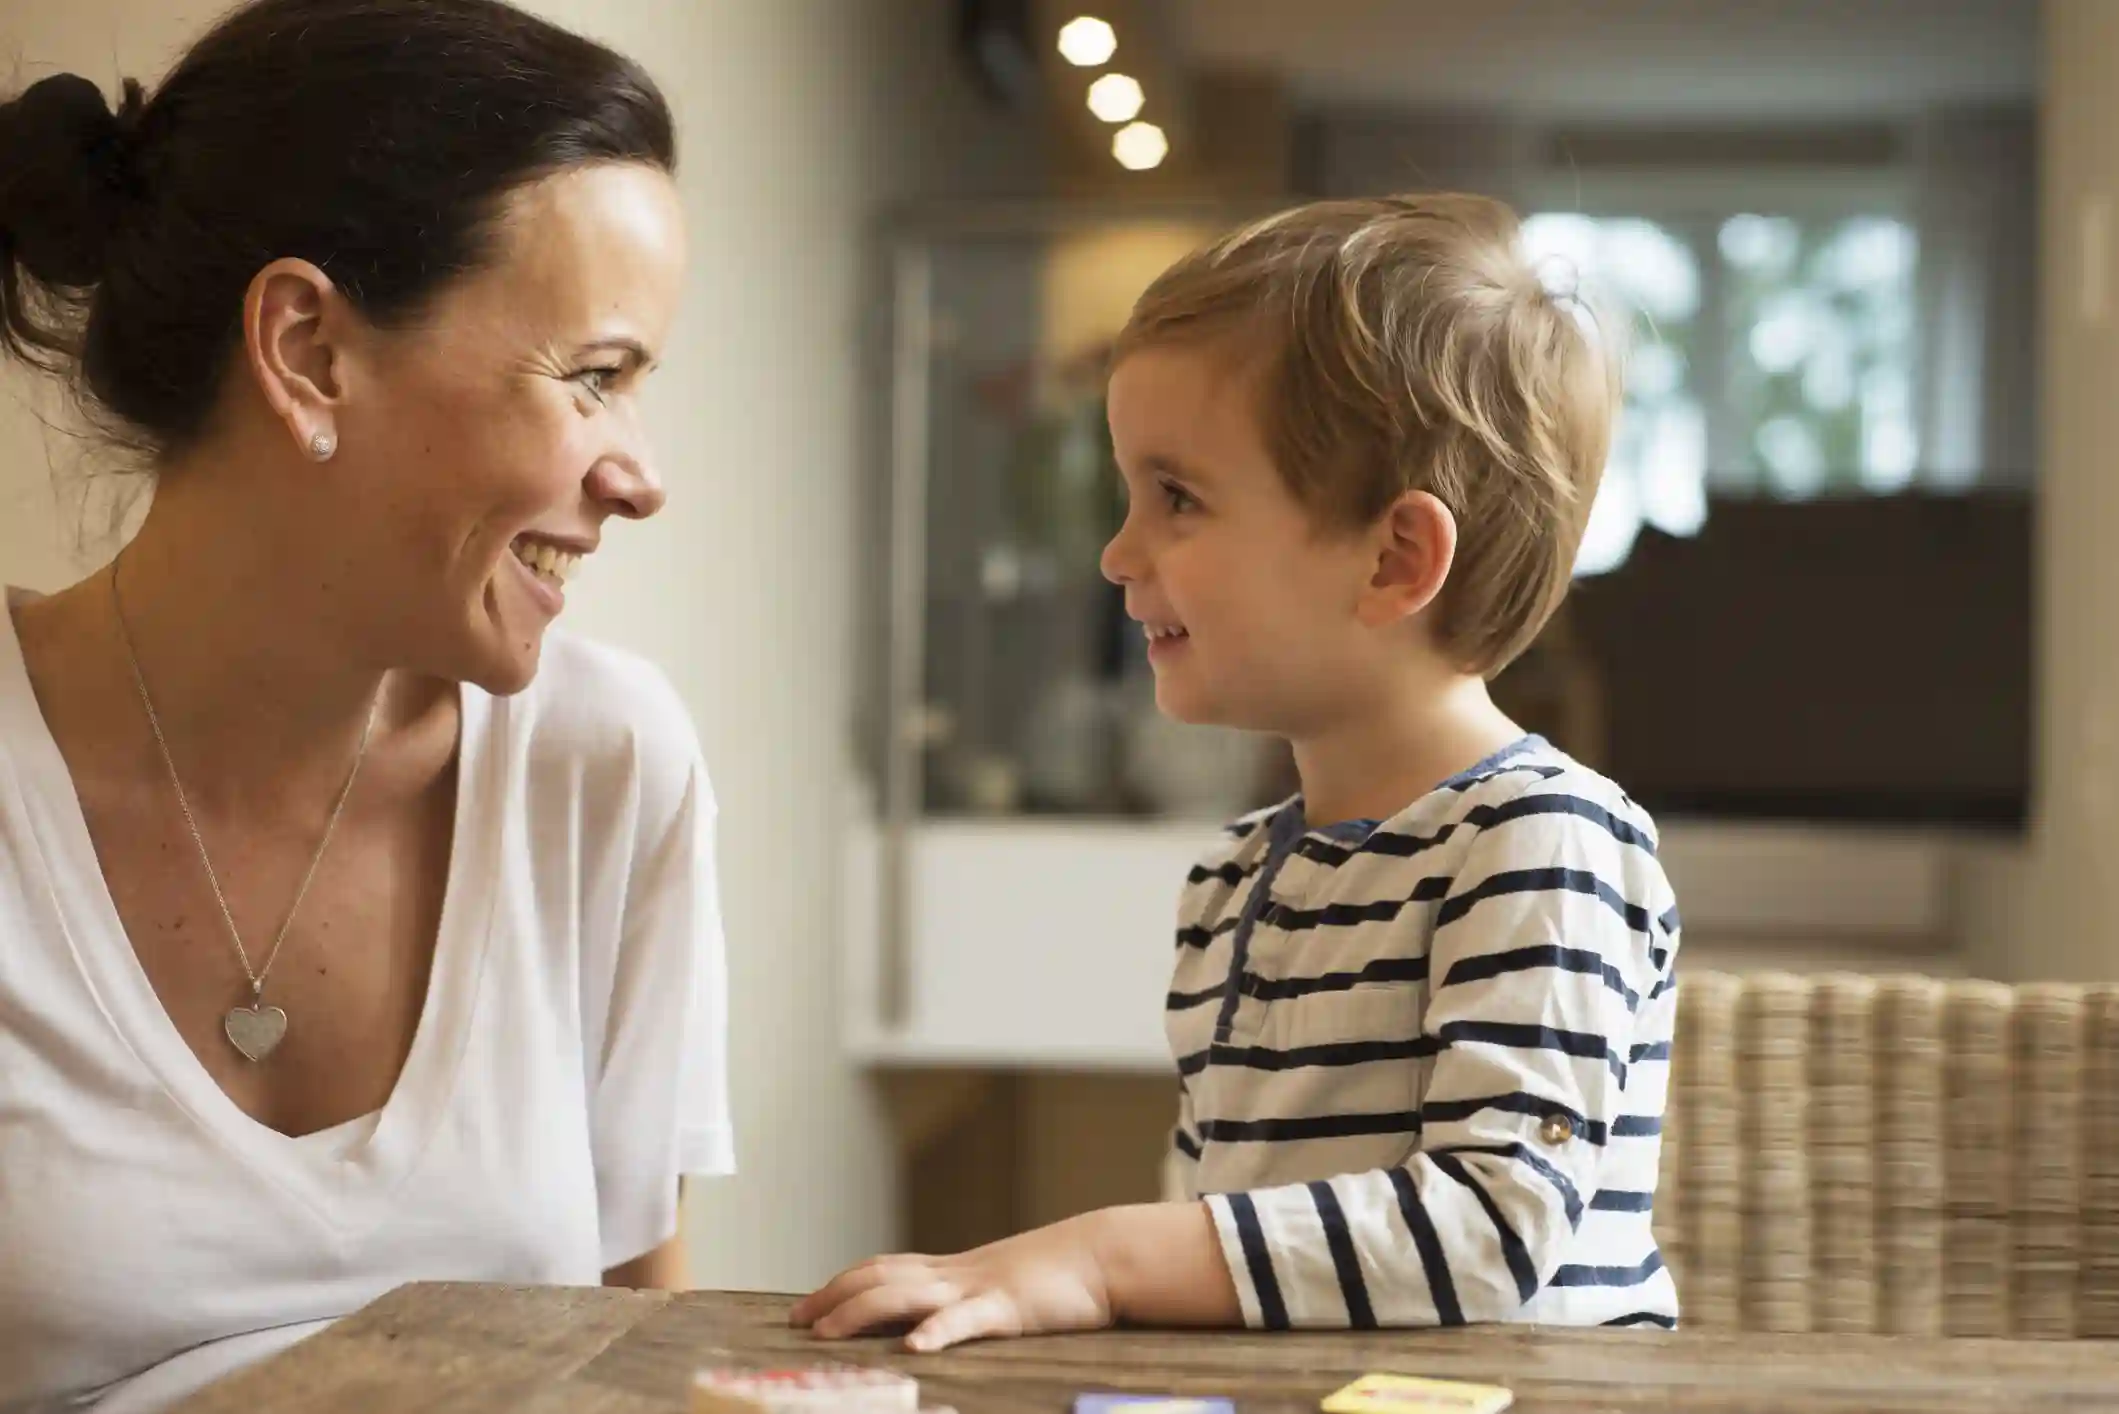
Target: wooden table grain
point(457, 1349)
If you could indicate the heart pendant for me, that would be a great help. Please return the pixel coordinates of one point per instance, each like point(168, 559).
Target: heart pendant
point(255, 1030)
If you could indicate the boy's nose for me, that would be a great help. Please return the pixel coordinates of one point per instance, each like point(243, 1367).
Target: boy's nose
point(1119, 562)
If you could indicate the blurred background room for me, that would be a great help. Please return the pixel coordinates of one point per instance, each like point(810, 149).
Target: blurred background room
point(1845, 618)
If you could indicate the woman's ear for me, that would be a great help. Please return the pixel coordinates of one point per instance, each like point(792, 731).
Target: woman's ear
point(1415, 543)
point(291, 319)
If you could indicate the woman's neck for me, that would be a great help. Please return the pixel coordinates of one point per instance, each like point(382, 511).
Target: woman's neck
point(256, 681)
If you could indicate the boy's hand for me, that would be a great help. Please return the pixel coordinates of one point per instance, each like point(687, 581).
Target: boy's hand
point(1156, 1264)
point(1043, 1281)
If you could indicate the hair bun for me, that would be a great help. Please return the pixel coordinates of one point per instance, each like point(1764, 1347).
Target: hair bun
point(68, 173)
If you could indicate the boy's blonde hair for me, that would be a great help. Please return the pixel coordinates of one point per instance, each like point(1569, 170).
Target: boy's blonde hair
point(1406, 344)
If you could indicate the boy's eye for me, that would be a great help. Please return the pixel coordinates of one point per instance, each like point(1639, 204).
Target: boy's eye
point(1179, 498)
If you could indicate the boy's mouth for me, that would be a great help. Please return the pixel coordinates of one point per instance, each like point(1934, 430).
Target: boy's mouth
point(1159, 632)
point(1165, 640)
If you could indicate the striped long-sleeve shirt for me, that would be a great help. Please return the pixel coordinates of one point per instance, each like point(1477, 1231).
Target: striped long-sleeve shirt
point(1423, 1060)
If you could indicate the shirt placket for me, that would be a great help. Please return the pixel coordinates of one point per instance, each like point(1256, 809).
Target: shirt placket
point(1284, 833)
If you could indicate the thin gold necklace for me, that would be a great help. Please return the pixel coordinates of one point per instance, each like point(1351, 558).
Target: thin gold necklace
point(252, 1027)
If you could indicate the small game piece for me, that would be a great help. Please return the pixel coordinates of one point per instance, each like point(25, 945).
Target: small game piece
point(1151, 1404)
point(839, 1389)
point(1409, 1394)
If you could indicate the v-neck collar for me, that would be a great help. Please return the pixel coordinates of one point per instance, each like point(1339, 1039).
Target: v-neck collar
point(346, 1186)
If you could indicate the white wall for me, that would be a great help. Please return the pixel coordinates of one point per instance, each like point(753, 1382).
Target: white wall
point(798, 118)
point(742, 589)
point(43, 472)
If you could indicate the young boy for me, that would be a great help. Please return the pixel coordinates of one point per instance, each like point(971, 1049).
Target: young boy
point(1422, 1012)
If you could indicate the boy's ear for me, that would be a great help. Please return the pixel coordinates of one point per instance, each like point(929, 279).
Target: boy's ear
point(1415, 544)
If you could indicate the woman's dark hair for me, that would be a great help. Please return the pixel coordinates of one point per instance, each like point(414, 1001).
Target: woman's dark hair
point(374, 138)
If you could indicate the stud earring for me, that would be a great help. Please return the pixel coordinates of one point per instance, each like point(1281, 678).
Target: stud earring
point(322, 445)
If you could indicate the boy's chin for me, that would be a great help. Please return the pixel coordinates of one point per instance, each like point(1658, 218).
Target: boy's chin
point(1180, 703)
point(1185, 703)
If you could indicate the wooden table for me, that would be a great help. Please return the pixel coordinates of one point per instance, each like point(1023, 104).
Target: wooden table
point(483, 1349)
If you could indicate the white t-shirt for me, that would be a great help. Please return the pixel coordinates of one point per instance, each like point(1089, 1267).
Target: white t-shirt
point(568, 1066)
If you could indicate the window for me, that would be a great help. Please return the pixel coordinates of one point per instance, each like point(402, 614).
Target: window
point(1770, 355)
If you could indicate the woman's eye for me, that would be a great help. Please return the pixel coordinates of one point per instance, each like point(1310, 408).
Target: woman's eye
point(601, 382)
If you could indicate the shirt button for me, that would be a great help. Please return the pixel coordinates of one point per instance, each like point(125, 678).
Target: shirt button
point(1557, 1129)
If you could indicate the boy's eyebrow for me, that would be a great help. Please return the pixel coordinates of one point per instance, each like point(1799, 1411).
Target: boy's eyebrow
point(1171, 466)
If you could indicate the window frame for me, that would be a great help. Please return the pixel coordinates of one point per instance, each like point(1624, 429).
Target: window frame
point(1692, 203)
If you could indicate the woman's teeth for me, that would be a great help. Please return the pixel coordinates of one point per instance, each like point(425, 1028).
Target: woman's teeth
point(550, 561)
point(1163, 631)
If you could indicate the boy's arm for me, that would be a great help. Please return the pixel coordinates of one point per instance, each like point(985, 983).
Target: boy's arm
point(1538, 965)
point(1153, 1264)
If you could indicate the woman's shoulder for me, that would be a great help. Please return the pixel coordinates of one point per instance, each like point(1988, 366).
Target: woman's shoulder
point(604, 683)
point(601, 715)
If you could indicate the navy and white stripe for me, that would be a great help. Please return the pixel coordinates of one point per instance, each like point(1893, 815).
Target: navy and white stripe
point(1423, 1060)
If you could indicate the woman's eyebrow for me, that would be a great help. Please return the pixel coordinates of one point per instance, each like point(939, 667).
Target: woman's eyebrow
point(636, 352)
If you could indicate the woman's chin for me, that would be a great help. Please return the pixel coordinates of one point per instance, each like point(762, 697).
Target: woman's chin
point(508, 665)
point(504, 644)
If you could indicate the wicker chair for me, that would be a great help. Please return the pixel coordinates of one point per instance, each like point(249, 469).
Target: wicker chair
point(1906, 1155)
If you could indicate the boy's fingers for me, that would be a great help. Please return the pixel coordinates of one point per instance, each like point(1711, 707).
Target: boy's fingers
point(826, 1298)
point(852, 1282)
point(808, 1308)
point(990, 1313)
point(888, 1304)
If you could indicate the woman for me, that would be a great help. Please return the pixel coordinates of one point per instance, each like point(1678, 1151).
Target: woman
point(356, 927)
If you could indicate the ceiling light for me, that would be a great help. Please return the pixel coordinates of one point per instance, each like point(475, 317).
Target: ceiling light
point(1139, 146)
point(1116, 98)
point(1086, 41)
